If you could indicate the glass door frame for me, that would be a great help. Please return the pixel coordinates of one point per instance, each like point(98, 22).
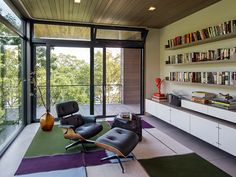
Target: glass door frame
point(48, 77)
point(52, 43)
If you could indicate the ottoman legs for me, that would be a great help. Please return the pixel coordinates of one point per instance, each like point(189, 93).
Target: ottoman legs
point(119, 160)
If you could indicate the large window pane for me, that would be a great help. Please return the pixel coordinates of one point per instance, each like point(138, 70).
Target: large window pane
point(70, 77)
point(98, 81)
point(10, 85)
point(40, 69)
point(46, 31)
point(10, 16)
point(118, 34)
point(123, 71)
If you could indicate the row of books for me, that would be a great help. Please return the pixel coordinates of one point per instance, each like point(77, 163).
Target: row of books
point(212, 31)
point(210, 55)
point(220, 78)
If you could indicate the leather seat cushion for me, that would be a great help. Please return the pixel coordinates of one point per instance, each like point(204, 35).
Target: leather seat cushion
point(76, 120)
point(88, 130)
point(121, 139)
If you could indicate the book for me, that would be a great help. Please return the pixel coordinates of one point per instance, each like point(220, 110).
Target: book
point(125, 116)
point(201, 94)
point(159, 100)
point(200, 100)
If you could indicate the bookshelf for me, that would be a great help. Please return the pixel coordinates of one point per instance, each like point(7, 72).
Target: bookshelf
point(224, 79)
point(202, 84)
point(204, 41)
point(205, 62)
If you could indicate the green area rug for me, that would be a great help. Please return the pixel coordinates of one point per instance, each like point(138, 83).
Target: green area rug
point(188, 165)
point(53, 142)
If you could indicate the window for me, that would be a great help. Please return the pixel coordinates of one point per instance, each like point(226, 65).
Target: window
point(10, 85)
point(10, 16)
point(46, 31)
point(118, 34)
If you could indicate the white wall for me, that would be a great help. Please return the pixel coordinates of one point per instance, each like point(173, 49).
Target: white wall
point(210, 16)
point(152, 61)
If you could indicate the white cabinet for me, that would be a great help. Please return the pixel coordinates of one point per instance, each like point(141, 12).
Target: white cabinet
point(210, 110)
point(204, 129)
point(227, 140)
point(164, 112)
point(151, 107)
point(216, 132)
point(222, 114)
point(194, 106)
point(180, 119)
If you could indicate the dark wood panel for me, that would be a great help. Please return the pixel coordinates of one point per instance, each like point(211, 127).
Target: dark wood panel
point(131, 76)
point(112, 12)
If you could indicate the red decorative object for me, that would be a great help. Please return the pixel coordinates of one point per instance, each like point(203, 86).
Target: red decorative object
point(158, 84)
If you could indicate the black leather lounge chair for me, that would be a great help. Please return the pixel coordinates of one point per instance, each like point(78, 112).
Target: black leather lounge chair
point(75, 126)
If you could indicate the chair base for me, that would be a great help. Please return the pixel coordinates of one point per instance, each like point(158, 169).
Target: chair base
point(119, 160)
point(79, 142)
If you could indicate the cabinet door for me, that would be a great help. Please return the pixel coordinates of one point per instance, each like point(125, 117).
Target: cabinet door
point(222, 114)
point(204, 129)
point(194, 106)
point(180, 119)
point(163, 112)
point(151, 107)
point(227, 139)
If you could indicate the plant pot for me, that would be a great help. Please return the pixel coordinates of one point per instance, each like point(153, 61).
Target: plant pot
point(47, 121)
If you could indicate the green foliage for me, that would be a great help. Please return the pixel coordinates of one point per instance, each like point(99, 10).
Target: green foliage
point(70, 77)
point(10, 73)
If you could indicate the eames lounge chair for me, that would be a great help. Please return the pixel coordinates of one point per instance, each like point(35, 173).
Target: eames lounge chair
point(75, 126)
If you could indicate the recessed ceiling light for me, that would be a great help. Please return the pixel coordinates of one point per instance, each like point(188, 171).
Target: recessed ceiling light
point(152, 8)
point(77, 1)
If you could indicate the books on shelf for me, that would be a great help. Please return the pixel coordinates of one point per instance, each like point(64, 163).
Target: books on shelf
point(219, 78)
point(210, 55)
point(209, 32)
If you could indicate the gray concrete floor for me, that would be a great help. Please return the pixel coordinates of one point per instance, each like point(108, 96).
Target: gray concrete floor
point(219, 158)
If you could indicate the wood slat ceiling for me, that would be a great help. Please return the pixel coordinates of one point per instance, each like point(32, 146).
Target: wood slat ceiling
point(112, 12)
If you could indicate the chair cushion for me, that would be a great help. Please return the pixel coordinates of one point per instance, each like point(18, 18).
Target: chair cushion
point(88, 130)
point(67, 108)
point(121, 139)
point(76, 120)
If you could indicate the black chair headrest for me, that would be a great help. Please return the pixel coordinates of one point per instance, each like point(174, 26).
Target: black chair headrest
point(66, 108)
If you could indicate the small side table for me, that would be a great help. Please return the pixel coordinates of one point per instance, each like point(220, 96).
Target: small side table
point(134, 125)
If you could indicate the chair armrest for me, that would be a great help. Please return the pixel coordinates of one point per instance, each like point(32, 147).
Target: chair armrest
point(89, 119)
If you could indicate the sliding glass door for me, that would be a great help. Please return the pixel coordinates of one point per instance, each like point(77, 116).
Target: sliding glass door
point(117, 81)
point(70, 77)
point(64, 76)
point(64, 73)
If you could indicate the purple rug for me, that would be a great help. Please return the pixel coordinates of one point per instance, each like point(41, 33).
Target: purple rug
point(144, 124)
point(60, 162)
point(94, 158)
point(49, 163)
